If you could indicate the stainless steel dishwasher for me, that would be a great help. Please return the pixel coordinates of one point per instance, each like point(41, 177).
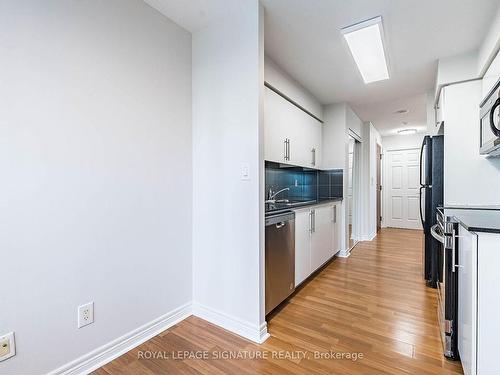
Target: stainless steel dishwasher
point(280, 258)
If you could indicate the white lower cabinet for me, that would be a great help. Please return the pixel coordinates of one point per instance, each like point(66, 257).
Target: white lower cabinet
point(321, 237)
point(467, 287)
point(316, 241)
point(302, 245)
point(478, 302)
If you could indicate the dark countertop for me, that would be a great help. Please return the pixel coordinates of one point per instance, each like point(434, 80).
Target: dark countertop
point(277, 208)
point(476, 219)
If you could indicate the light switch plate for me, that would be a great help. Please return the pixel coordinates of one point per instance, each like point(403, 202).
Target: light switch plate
point(7, 346)
point(245, 171)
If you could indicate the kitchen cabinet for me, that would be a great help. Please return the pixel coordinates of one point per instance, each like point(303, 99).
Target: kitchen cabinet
point(322, 236)
point(316, 238)
point(478, 303)
point(467, 287)
point(302, 245)
point(291, 135)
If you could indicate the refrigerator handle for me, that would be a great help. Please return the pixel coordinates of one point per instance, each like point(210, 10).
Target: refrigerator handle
point(421, 155)
point(420, 207)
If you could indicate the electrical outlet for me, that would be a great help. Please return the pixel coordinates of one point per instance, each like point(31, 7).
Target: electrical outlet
point(7, 346)
point(85, 314)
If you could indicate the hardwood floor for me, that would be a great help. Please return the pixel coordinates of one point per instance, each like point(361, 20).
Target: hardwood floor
point(374, 303)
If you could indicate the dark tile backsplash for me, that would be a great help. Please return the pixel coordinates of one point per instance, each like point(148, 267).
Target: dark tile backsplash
point(304, 184)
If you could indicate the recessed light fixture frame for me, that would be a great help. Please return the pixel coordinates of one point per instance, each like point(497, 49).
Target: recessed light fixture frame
point(365, 68)
point(407, 131)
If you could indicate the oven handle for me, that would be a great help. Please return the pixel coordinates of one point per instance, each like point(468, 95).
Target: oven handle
point(435, 234)
point(494, 129)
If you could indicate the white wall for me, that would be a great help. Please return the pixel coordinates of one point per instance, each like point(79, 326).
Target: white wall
point(371, 138)
point(334, 137)
point(469, 177)
point(457, 68)
point(353, 122)
point(281, 80)
point(490, 46)
point(401, 142)
point(338, 120)
point(95, 157)
point(227, 132)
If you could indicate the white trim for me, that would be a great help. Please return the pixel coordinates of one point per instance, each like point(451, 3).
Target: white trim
point(344, 254)
point(237, 326)
point(370, 237)
point(106, 353)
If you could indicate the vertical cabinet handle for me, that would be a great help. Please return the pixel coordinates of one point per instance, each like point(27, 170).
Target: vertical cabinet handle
point(314, 221)
point(334, 209)
point(453, 251)
point(286, 152)
point(313, 154)
point(310, 221)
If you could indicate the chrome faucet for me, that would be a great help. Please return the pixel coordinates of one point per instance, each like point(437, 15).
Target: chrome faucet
point(271, 195)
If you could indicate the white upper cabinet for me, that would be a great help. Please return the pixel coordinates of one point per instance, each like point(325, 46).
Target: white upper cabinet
point(291, 135)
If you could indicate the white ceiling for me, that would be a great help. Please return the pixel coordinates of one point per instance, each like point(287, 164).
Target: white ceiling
point(303, 37)
point(384, 117)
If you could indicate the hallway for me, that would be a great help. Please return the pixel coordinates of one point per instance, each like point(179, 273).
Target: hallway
point(373, 305)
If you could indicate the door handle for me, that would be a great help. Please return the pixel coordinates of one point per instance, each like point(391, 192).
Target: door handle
point(453, 252)
point(280, 225)
point(435, 234)
point(421, 154)
point(312, 223)
point(420, 207)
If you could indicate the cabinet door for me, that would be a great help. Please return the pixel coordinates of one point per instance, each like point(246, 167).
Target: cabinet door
point(467, 300)
point(284, 121)
point(316, 142)
point(321, 238)
point(305, 140)
point(488, 303)
point(302, 245)
point(278, 121)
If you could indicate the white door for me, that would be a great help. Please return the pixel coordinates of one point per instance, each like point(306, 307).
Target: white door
point(402, 186)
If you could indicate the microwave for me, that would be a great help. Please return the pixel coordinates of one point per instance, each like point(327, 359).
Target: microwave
point(490, 123)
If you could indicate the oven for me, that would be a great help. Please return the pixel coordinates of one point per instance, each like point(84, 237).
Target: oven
point(445, 232)
point(490, 122)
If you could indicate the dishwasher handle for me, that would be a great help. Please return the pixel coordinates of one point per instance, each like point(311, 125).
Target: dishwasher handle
point(280, 225)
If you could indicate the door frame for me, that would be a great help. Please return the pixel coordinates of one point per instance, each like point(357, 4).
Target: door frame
point(385, 177)
point(378, 185)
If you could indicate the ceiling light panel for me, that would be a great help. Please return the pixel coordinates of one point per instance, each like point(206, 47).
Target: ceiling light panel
point(367, 48)
point(407, 131)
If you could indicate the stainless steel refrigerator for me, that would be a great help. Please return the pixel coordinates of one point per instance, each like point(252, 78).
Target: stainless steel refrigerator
point(431, 197)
